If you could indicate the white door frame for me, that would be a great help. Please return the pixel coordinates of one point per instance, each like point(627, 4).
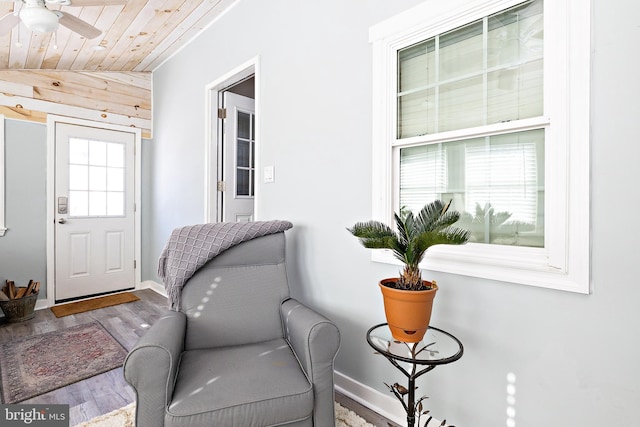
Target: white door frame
point(51, 162)
point(213, 135)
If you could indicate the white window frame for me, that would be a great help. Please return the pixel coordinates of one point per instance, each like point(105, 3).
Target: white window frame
point(564, 262)
point(3, 227)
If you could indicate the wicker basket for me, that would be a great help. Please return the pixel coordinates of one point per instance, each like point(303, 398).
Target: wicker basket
point(19, 310)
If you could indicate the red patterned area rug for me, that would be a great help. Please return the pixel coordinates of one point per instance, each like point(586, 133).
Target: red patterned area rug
point(35, 365)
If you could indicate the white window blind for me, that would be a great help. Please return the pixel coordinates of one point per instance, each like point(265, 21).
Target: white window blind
point(423, 175)
point(489, 71)
point(504, 174)
point(497, 182)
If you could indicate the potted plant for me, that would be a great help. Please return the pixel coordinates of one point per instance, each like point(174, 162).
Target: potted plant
point(408, 299)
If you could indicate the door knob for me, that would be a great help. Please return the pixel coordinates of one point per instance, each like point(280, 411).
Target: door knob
point(62, 221)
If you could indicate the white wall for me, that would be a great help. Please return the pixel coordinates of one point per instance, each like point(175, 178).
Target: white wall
point(574, 356)
point(22, 248)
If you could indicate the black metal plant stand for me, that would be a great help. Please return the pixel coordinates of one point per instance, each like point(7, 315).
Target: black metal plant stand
point(438, 347)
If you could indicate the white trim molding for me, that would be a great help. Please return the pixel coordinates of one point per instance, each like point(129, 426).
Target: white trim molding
point(3, 227)
point(213, 132)
point(379, 402)
point(154, 286)
point(564, 262)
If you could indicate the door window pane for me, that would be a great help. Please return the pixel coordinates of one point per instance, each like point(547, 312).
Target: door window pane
point(115, 179)
point(96, 167)
point(244, 125)
point(242, 182)
point(97, 203)
point(97, 178)
point(78, 203)
point(245, 154)
point(78, 177)
point(98, 153)
point(115, 203)
point(78, 151)
point(115, 155)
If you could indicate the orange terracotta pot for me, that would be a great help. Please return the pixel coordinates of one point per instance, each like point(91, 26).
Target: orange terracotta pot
point(408, 312)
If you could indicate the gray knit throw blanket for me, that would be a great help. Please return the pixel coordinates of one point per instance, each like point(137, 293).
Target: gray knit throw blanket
point(190, 247)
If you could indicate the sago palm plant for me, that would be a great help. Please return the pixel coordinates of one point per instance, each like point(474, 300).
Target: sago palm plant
point(433, 225)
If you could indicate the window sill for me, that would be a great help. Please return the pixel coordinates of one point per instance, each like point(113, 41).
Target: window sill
point(526, 266)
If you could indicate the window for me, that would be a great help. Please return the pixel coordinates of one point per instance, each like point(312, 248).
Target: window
point(245, 155)
point(496, 182)
point(488, 106)
point(3, 228)
point(96, 178)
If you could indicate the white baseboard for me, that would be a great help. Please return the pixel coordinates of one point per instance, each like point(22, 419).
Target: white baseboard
point(384, 404)
point(154, 286)
point(41, 304)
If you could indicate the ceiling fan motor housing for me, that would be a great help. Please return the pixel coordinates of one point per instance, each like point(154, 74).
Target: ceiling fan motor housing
point(38, 18)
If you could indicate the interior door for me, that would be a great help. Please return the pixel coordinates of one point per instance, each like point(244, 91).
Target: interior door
point(94, 198)
point(239, 158)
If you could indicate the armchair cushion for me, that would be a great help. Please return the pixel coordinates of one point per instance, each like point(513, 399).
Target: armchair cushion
point(241, 290)
point(244, 300)
point(247, 385)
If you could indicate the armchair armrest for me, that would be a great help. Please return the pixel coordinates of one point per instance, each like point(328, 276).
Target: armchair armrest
point(315, 340)
point(151, 366)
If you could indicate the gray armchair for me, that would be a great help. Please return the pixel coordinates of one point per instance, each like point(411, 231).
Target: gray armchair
point(240, 352)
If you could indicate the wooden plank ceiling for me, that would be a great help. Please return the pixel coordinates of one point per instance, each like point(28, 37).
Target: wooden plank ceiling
point(137, 35)
point(104, 79)
point(121, 98)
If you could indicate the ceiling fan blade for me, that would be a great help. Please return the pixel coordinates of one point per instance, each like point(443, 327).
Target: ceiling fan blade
point(7, 22)
point(96, 2)
point(78, 25)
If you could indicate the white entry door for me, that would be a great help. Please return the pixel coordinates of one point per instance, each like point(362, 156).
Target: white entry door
point(239, 158)
point(94, 211)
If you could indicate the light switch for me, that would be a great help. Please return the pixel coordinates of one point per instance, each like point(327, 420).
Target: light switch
point(268, 174)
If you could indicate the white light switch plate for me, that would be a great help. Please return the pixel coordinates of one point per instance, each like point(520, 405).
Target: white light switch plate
point(268, 174)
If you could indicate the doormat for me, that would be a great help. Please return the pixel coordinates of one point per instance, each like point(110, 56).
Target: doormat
point(34, 365)
point(93, 304)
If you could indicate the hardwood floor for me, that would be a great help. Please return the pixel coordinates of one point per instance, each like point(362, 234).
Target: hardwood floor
point(106, 392)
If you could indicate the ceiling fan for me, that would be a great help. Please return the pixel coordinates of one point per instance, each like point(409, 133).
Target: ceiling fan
point(35, 15)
